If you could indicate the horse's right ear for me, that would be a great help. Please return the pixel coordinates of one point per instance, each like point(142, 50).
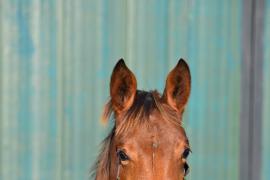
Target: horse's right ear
point(123, 87)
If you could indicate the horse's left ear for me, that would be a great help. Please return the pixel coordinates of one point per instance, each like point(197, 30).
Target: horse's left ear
point(178, 85)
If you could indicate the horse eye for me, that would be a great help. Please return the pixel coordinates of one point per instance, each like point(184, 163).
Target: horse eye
point(122, 155)
point(186, 153)
point(186, 169)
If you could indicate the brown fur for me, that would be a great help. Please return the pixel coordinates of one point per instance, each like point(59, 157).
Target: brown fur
point(148, 112)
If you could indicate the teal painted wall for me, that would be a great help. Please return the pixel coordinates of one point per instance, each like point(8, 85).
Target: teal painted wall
point(266, 93)
point(56, 58)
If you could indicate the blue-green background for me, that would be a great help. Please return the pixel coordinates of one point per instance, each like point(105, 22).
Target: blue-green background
point(56, 58)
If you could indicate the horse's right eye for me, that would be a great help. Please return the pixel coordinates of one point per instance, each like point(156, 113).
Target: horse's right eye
point(122, 156)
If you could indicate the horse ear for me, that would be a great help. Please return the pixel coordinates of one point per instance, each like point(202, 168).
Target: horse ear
point(123, 87)
point(178, 85)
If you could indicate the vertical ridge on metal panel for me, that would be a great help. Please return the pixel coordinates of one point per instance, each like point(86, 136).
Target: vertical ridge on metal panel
point(258, 25)
point(1, 86)
point(60, 88)
point(245, 89)
point(251, 116)
point(266, 95)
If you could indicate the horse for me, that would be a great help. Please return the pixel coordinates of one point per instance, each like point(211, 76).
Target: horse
point(148, 140)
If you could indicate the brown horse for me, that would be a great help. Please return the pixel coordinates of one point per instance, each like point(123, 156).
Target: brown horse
point(148, 141)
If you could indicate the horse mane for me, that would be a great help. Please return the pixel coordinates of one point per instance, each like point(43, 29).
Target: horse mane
point(144, 104)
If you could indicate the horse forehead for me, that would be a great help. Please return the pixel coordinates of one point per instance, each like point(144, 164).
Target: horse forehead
point(155, 130)
point(155, 140)
point(160, 126)
point(158, 131)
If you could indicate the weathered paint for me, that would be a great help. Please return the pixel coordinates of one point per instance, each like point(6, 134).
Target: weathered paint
point(56, 60)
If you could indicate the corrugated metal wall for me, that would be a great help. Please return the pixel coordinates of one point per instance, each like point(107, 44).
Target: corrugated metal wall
point(56, 58)
point(266, 95)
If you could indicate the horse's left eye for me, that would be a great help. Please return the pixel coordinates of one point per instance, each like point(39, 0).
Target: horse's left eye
point(184, 157)
point(186, 153)
point(122, 155)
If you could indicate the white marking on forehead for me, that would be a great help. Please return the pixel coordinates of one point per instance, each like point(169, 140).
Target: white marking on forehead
point(155, 137)
point(154, 146)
